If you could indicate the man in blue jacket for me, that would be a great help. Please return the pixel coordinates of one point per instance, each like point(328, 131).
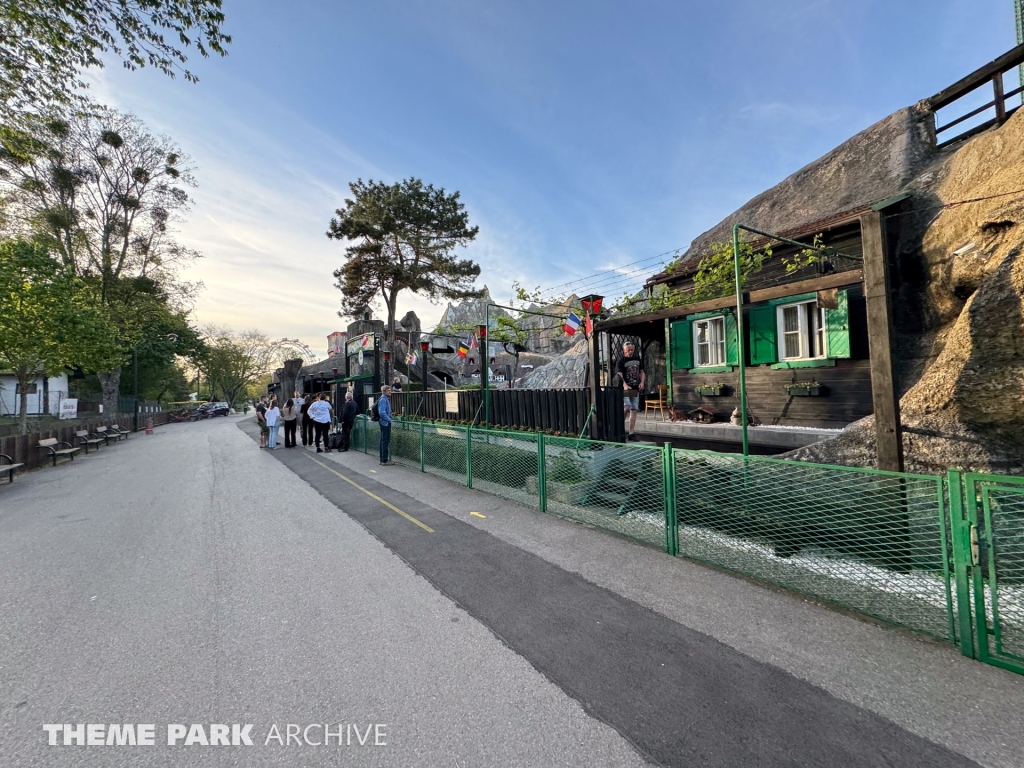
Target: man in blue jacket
point(384, 409)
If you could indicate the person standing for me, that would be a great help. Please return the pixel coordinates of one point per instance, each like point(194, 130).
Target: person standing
point(290, 414)
point(261, 419)
point(273, 417)
point(631, 368)
point(384, 411)
point(320, 413)
point(307, 423)
point(348, 414)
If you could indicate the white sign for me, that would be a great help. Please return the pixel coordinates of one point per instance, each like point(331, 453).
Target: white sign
point(69, 408)
point(451, 402)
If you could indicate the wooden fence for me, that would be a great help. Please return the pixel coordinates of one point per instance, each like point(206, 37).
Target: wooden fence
point(565, 411)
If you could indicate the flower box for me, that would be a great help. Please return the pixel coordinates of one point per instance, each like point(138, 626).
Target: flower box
point(804, 390)
point(711, 390)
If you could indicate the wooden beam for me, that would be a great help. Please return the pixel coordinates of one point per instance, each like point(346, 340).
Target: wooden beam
point(835, 280)
point(1007, 61)
point(889, 435)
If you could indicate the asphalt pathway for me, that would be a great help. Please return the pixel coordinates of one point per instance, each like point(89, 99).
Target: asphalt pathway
point(188, 578)
point(681, 697)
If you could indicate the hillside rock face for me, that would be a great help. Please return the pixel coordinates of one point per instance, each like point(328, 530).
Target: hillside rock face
point(960, 351)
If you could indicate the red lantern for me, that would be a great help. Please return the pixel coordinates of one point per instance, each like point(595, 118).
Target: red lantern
point(424, 346)
point(481, 332)
point(387, 356)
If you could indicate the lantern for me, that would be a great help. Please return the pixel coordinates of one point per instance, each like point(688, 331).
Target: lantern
point(481, 332)
point(592, 303)
point(424, 346)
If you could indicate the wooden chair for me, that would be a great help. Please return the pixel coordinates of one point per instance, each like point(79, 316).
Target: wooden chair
point(659, 403)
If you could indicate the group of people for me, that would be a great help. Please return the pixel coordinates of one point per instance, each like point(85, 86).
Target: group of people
point(315, 415)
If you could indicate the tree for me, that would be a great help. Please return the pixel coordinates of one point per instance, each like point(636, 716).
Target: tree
point(104, 194)
point(402, 237)
point(47, 322)
point(44, 44)
point(234, 360)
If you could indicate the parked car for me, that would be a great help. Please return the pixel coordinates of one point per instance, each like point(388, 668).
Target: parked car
point(217, 409)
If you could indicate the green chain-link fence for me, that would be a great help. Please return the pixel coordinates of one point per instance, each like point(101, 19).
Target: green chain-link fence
point(882, 544)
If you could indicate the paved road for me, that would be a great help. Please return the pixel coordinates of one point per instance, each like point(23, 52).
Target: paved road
point(195, 579)
point(188, 578)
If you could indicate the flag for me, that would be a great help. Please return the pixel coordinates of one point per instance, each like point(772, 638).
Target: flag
point(471, 341)
point(410, 359)
point(589, 326)
point(463, 349)
point(572, 324)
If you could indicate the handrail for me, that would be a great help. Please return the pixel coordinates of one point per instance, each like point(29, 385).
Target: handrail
point(990, 73)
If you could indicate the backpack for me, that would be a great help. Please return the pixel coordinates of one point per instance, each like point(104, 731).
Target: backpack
point(374, 412)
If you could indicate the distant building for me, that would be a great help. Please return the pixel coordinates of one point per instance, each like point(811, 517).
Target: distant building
point(336, 343)
point(44, 394)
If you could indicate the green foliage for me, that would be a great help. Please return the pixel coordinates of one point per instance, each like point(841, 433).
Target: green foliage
point(566, 471)
point(48, 321)
point(233, 362)
point(45, 44)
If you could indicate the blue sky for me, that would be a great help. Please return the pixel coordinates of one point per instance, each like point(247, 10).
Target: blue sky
point(582, 135)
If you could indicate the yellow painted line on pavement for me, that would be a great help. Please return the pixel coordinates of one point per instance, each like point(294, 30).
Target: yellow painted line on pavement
point(389, 505)
point(477, 514)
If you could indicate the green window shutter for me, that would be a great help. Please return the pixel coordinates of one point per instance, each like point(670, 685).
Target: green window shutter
point(837, 328)
point(732, 342)
point(682, 345)
point(763, 331)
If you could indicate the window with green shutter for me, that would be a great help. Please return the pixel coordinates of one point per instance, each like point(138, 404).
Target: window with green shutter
point(732, 341)
point(682, 345)
point(806, 334)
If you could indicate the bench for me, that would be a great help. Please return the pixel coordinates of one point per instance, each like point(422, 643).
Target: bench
point(52, 445)
point(87, 438)
point(105, 434)
point(120, 434)
point(7, 465)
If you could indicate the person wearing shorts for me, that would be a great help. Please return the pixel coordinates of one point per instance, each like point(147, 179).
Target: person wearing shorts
point(261, 419)
point(631, 370)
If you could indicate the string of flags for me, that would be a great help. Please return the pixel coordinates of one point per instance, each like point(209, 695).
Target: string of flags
point(411, 359)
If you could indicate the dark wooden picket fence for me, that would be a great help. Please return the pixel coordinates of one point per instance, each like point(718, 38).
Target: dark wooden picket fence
point(561, 410)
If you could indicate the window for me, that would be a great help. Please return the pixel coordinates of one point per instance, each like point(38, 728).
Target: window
point(801, 329)
point(709, 341)
point(30, 389)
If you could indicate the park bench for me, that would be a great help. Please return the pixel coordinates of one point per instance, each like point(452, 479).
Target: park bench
point(7, 465)
point(52, 445)
point(120, 434)
point(106, 435)
point(87, 438)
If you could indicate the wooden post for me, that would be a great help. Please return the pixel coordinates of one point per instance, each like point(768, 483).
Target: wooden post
point(595, 388)
point(1000, 99)
point(889, 435)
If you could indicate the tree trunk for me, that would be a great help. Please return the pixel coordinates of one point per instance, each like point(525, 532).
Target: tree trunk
point(111, 383)
point(23, 381)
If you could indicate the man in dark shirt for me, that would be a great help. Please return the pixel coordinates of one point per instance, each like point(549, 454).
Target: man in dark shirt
point(306, 424)
point(348, 419)
point(261, 419)
point(630, 369)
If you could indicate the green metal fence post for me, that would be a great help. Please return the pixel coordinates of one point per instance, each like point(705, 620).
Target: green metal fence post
point(469, 455)
point(366, 434)
point(960, 532)
point(422, 462)
point(669, 492)
point(542, 484)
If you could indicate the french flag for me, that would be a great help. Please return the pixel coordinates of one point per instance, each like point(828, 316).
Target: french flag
point(572, 324)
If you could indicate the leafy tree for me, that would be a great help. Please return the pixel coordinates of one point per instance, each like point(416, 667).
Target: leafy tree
point(402, 237)
point(44, 44)
point(104, 194)
point(235, 360)
point(47, 322)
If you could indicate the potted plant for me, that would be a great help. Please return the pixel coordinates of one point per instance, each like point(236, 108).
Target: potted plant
point(804, 389)
point(711, 390)
point(566, 481)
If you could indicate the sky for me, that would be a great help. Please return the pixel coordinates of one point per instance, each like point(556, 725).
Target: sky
point(582, 136)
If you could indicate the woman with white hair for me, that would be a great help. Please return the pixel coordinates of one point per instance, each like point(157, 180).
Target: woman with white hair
point(348, 419)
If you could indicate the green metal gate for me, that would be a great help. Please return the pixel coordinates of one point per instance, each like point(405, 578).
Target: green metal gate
point(994, 553)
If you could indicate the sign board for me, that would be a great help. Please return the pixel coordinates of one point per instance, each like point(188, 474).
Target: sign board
point(69, 408)
point(364, 342)
point(451, 402)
